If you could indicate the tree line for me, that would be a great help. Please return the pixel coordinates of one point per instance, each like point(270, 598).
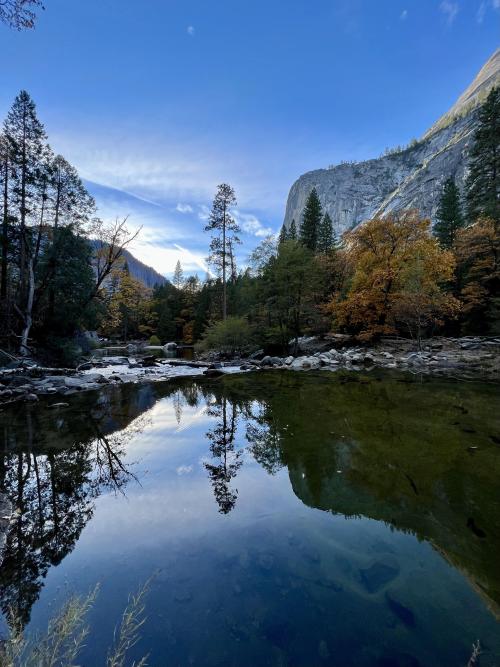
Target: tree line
point(53, 281)
point(62, 270)
point(393, 275)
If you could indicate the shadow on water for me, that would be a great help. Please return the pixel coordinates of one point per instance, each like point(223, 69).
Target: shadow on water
point(420, 455)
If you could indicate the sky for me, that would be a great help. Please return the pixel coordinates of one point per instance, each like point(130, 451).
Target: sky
point(156, 102)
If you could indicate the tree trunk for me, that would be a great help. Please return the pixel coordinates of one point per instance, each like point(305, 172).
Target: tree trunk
point(24, 351)
point(224, 293)
point(5, 233)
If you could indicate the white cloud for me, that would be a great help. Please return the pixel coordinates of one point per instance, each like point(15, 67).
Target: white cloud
point(190, 30)
point(450, 10)
point(184, 208)
point(481, 12)
point(404, 15)
point(184, 470)
point(204, 212)
point(250, 224)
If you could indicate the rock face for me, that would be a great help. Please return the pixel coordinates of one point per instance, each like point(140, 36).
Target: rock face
point(411, 178)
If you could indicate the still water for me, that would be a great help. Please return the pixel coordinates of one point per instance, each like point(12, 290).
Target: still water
point(286, 518)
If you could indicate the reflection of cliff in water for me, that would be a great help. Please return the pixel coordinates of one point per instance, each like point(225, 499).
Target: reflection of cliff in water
point(419, 455)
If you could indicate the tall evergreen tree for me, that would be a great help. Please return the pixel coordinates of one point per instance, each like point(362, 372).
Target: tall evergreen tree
point(449, 215)
point(283, 235)
point(292, 232)
point(224, 227)
point(26, 139)
point(311, 221)
point(326, 235)
point(483, 182)
point(178, 278)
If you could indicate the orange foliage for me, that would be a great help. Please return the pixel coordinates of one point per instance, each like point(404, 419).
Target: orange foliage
point(397, 272)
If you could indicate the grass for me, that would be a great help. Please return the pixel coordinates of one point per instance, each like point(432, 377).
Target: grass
point(67, 632)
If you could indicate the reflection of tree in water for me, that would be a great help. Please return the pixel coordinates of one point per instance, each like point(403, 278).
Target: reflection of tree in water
point(52, 491)
point(222, 447)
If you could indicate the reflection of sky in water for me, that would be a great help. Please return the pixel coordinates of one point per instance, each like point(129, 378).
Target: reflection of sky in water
point(272, 582)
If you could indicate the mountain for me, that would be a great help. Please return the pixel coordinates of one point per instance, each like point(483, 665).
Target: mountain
point(143, 272)
point(409, 178)
point(146, 274)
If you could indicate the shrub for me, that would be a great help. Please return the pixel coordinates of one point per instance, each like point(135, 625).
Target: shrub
point(154, 340)
point(227, 337)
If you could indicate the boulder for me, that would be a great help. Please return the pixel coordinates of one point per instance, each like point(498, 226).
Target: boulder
point(170, 346)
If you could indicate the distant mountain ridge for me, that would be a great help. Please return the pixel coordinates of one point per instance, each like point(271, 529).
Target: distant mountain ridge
point(411, 178)
point(146, 274)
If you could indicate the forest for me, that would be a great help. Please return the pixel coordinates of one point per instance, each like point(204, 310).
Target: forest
point(63, 270)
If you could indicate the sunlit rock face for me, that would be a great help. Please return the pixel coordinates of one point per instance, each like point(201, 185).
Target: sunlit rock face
point(413, 178)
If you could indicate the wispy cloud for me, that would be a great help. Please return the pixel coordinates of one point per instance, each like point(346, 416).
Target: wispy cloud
point(184, 208)
point(483, 8)
point(203, 212)
point(190, 30)
point(250, 224)
point(450, 10)
point(404, 15)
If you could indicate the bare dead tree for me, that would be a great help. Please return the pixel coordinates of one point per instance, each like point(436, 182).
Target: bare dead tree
point(112, 239)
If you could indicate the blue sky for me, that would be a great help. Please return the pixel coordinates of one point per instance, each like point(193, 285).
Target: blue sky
point(158, 101)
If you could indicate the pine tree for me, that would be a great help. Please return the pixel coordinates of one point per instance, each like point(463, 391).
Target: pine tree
point(483, 182)
point(449, 215)
point(224, 227)
point(311, 221)
point(292, 232)
point(283, 235)
point(326, 236)
point(178, 279)
point(26, 140)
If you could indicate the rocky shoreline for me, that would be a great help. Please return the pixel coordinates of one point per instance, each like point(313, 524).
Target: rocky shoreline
point(466, 358)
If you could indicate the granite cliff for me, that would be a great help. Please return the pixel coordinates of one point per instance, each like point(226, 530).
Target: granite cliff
point(410, 178)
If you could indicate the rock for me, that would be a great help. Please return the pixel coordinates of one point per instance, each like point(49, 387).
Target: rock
point(289, 360)
point(170, 346)
point(266, 361)
point(213, 373)
point(85, 366)
point(404, 614)
point(148, 361)
point(258, 355)
point(31, 398)
point(378, 575)
point(305, 363)
point(387, 355)
point(411, 178)
point(58, 405)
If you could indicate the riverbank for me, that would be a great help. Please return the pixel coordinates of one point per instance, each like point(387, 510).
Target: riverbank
point(465, 358)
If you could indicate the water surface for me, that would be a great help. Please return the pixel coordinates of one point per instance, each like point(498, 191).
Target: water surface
point(287, 518)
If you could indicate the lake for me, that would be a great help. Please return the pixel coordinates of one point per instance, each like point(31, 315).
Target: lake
point(302, 519)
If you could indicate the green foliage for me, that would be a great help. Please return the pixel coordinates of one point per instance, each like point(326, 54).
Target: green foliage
point(327, 240)
point(154, 340)
point(289, 293)
point(311, 221)
point(483, 182)
point(292, 232)
point(230, 336)
point(449, 215)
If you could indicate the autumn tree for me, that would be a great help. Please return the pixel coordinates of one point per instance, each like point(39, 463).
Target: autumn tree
point(224, 230)
point(393, 260)
point(483, 181)
point(311, 221)
point(478, 258)
point(449, 215)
